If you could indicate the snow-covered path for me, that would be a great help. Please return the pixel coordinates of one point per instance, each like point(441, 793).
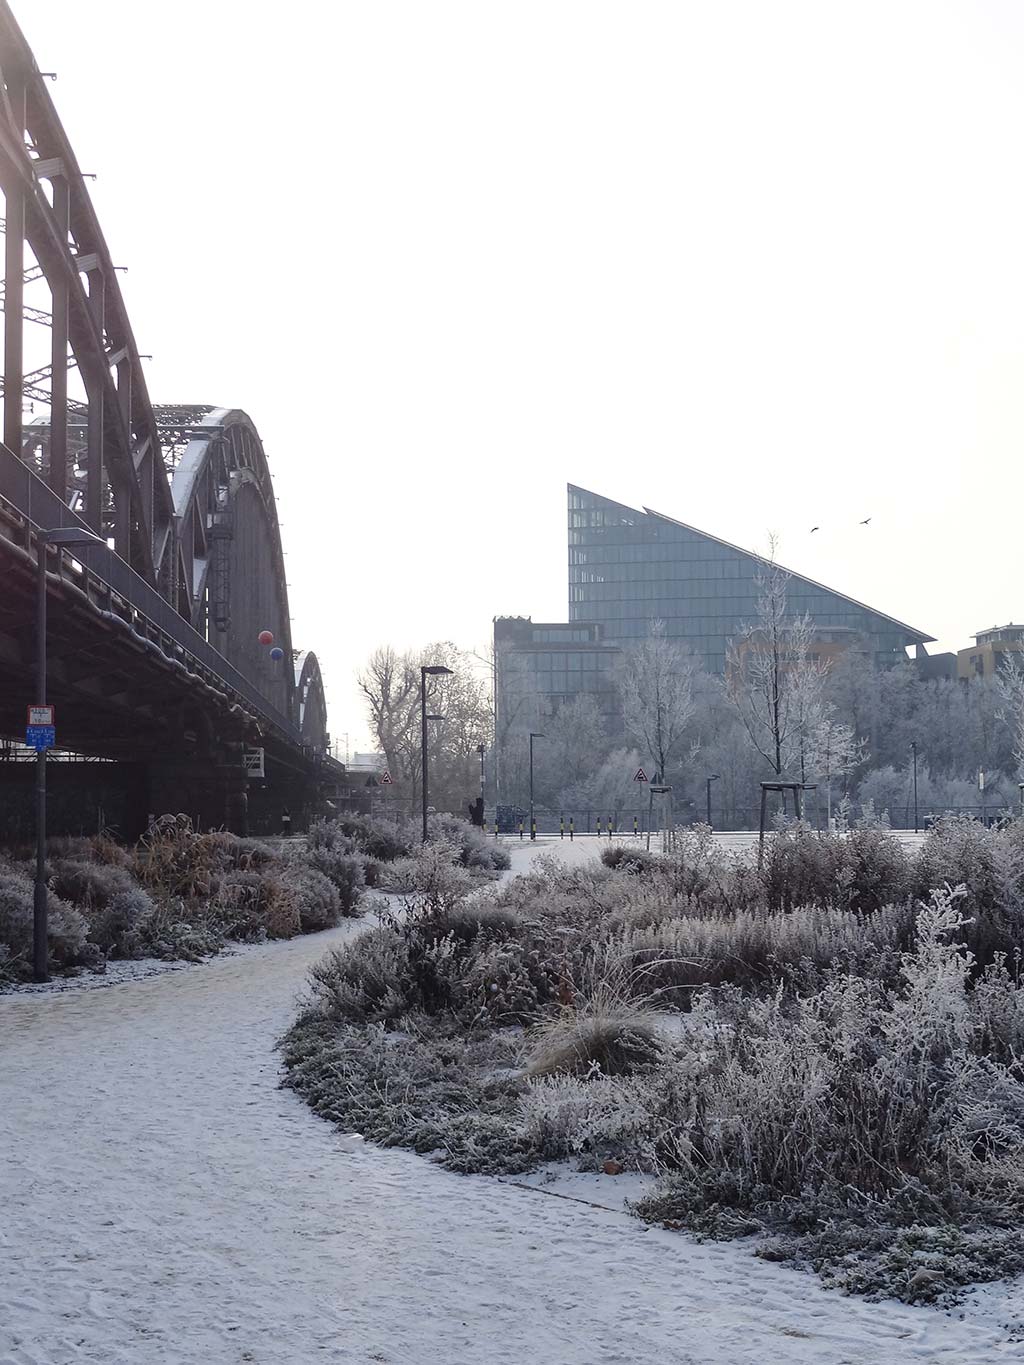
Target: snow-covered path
point(162, 1201)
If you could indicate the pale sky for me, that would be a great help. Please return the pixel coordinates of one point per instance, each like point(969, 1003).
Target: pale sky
point(759, 266)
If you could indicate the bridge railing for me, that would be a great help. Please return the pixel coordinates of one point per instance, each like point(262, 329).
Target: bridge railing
point(33, 500)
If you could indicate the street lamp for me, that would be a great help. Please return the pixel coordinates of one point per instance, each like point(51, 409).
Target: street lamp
point(480, 750)
point(434, 670)
point(533, 827)
point(708, 781)
point(59, 536)
point(913, 750)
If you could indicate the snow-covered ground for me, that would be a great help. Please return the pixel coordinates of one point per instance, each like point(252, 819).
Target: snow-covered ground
point(163, 1202)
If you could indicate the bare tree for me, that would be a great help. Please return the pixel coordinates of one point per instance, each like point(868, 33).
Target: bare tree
point(1010, 685)
point(773, 679)
point(657, 690)
point(390, 683)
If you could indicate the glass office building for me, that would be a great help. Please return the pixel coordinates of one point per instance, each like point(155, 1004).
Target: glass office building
point(551, 663)
point(629, 567)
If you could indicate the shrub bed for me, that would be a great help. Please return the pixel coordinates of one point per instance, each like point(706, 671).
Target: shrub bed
point(823, 1052)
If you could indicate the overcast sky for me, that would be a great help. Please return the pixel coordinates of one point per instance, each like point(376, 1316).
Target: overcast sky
point(759, 266)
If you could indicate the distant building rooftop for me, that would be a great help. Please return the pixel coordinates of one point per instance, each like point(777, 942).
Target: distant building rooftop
point(1009, 634)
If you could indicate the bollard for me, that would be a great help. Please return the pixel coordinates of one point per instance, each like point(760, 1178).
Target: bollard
point(635, 831)
point(520, 829)
point(572, 828)
point(561, 827)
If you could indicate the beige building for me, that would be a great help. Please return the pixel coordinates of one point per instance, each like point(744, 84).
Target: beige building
point(985, 657)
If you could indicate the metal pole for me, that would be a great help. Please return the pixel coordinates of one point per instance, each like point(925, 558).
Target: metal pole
point(913, 750)
point(423, 745)
point(650, 812)
point(40, 956)
point(533, 827)
point(708, 783)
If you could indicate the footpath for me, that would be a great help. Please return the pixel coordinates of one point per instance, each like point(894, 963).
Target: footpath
point(164, 1202)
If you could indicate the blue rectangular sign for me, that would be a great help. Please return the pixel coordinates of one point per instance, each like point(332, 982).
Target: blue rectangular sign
point(40, 736)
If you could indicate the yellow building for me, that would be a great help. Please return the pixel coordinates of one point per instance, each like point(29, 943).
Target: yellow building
point(985, 657)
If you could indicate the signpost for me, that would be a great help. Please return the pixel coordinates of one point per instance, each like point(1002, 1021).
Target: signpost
point(641, 776)
point(661, 790)
point(40, 737)
point(385, 779)
point(40, 715)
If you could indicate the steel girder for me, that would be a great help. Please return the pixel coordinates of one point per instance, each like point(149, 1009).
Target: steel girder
point(184, 492)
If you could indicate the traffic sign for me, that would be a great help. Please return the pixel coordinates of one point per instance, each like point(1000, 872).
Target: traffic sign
point(40, 715)
point(641, 776)
point(385, 778)
point(40, 737)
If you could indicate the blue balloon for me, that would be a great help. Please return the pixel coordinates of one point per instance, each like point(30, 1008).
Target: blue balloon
point(277, 654)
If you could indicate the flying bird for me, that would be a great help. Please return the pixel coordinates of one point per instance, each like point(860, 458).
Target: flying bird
point(865, 521)
point(813, 529)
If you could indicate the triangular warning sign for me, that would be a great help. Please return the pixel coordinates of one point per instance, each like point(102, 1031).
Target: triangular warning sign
point(385, 778)
point(641, 776)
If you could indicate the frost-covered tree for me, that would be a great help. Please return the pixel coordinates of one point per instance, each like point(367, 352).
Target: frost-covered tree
point(773, 679)
point(657, 691)
point(833, 751)
point(1010, 688)
point(609, 789)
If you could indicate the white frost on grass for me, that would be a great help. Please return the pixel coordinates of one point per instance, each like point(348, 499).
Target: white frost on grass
point(163, 1202)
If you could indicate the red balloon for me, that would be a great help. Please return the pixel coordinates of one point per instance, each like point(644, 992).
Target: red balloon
point(266, 637)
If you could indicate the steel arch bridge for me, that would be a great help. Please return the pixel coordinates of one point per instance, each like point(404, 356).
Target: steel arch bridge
point(155, 661)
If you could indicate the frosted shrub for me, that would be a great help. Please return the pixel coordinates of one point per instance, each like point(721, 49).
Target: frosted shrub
point(382, 839)
point(344, 868)
point(600, 1116)
point(431, 879)
point(854, 1105)
point(989, 864)
point(118, 926)
point(87, 885)
point(474, 850)
point(364, 982)
point(300, 900)
point(67, 930)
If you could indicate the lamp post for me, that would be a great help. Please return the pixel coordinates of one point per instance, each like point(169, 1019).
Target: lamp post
point(533, 828)
point(434, 670)
point(708, 781)
point(480, 750)
point(64, 535)
point(913, 750)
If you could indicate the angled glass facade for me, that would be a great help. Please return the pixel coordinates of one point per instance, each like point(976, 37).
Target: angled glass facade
point(629, 567)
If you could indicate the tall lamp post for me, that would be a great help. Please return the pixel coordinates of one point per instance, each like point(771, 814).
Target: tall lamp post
point(480, 750)
point(63, 535)
point(434, 670)
point(533, 827)
point(708, 781)
point(913, 750)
